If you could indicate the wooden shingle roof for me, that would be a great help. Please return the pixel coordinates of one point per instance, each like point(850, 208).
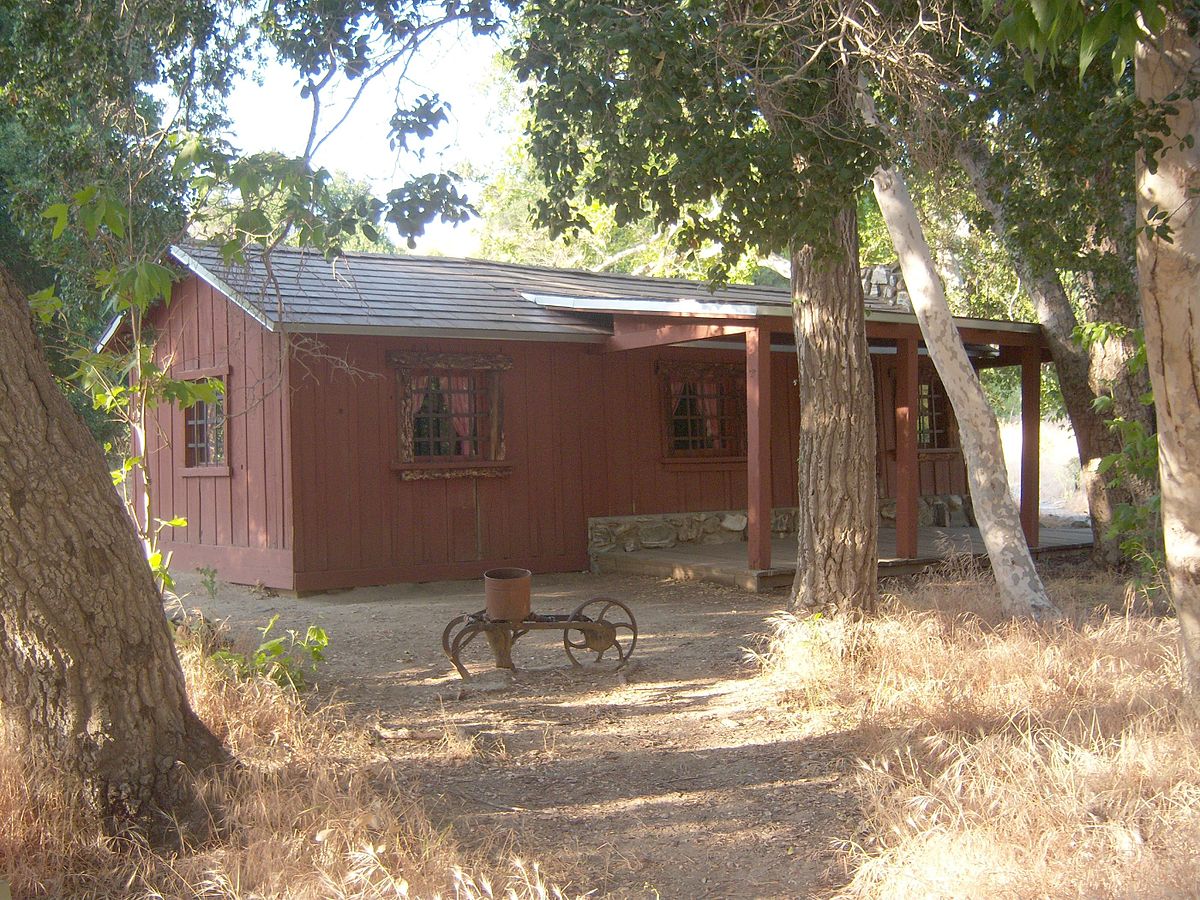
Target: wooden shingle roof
point(400, 294)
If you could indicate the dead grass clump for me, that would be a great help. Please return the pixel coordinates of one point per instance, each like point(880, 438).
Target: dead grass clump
point(1035, 813)
point(316, 810)
point(1007, 759)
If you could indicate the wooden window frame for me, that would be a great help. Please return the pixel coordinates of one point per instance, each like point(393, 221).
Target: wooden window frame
point(486, 371)
point(728, 381)
point(936, 428)
point(218, 465)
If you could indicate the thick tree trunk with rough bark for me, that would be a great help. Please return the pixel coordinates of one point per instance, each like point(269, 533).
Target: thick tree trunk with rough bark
point(1169, 278)
point(89, 678)
point(1021, 591)
point(837, 560)
point(1083, 374)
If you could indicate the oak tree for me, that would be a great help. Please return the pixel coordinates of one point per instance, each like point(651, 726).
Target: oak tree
point(663, 110)
point(89, 679)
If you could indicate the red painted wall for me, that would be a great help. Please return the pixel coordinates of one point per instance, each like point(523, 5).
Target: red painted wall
point(240, 523)
point(582, 434)
point(312, 500)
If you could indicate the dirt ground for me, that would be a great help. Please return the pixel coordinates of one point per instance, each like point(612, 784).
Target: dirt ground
point(674, 778)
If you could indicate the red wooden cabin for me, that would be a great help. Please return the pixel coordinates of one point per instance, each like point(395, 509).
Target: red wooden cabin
point(432, 418)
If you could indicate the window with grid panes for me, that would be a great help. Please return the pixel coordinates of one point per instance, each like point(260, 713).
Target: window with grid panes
point(452, 414)
point(933, 417)
point(204, 433)
point(706, 412)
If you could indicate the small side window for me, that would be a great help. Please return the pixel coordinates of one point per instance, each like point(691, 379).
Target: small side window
point(204, 433)
point(934, 431)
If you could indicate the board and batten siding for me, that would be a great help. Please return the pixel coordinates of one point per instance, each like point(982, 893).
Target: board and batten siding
point(582, 433)
point(238, 523)
point(313, 500)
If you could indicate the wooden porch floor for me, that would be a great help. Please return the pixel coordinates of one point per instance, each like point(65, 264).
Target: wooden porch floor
point(726, 563)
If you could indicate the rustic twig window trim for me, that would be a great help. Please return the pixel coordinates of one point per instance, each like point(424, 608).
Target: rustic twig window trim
point(407, 364)
point(731, 414)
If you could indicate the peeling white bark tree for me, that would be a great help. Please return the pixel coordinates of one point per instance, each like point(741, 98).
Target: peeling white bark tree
point(1021, 591)
point(1169, 276)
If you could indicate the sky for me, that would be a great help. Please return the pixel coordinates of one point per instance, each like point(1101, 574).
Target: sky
point(267, 113)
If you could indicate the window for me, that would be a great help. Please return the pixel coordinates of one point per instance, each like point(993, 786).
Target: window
point(934, 430)
point(705, 410)
point(449, 413)
point(204, 433)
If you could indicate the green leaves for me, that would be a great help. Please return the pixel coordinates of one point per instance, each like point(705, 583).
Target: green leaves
point(186, 394)
point(121, 474)
point(663, 114)
point(59, 212)
point(282, 659)
point(1046, 28)
point(160, 567)
point(1096, 32)
point(45, 304)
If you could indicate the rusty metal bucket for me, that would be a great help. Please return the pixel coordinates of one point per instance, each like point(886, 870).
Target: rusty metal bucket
point(506, 594)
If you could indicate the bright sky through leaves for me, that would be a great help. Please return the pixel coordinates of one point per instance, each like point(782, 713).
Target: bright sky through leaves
point(272, 116)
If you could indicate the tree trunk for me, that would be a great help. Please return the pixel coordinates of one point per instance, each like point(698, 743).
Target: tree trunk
point(1169, 276)
point(1021, 590)
point(1083, 374)
point(837, 559)
point(89, 677)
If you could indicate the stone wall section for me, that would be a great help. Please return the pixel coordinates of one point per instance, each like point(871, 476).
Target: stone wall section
point(630, 533)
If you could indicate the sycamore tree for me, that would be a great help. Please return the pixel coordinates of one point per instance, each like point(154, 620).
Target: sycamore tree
point(90, 684)
point(1162, 40)
point(1050, 162)
point(661, 110)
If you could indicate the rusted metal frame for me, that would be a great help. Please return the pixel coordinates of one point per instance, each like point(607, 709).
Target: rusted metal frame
point(908, 476)
point(1031, 421)
point(638, 332)
point(758, 447)
point(598, 633)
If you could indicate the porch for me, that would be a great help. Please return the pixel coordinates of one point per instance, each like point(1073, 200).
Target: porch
point(727, 563)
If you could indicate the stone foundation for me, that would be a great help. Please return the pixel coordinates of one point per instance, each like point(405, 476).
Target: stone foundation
point(631, 533)
point(937, 510)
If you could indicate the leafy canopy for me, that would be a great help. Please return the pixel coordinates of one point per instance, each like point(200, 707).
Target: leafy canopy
point(668, 110)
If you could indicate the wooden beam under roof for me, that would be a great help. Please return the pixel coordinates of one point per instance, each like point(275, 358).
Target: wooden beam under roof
point(631, 334)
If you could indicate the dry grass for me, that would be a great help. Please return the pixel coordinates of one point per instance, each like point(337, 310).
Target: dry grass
point(318, 811)
point(1006, 759)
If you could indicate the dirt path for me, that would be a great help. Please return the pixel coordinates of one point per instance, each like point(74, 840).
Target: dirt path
point(674, 779)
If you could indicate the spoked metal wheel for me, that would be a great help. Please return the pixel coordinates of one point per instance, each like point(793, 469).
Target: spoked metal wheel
point(605, 627)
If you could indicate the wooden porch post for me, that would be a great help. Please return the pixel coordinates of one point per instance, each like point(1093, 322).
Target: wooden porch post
point(908, 477)
point(758, 447)
point(1031, 421)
